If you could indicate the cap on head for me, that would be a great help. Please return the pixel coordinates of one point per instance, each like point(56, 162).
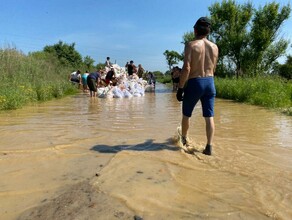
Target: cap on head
point(203, 22)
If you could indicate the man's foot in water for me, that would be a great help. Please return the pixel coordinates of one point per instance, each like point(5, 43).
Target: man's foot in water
point(184, 141)
point(186, 145)
point(208, 150)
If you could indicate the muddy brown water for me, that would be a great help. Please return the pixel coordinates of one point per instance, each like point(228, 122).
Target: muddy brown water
point(122, 153)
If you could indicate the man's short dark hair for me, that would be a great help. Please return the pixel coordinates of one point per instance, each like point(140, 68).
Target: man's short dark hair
point(203, 26)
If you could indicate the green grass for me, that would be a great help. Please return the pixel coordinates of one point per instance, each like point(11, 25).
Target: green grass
point(270, 92)
point(25, 79)
point(165, 80)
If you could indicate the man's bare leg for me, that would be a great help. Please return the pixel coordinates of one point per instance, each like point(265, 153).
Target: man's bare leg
point(210, 130)
point(185, 123)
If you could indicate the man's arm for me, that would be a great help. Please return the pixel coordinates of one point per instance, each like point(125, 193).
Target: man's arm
point(216, 59)
point(184, 73)
point(186, 66)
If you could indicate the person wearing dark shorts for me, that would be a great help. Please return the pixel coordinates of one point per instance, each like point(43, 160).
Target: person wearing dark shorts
point(92, 81)
point(197, 82)
point(202, 89)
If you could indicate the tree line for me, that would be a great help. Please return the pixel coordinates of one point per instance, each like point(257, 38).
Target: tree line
point(66, 55)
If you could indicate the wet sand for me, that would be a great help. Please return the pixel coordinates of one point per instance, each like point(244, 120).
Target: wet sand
point(148, 185)
point(79, 201)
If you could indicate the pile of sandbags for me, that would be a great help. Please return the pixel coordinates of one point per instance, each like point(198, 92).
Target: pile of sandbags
point(126, 86)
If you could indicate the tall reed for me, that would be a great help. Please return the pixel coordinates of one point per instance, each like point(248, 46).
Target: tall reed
point(271, 92)
point(25, 79)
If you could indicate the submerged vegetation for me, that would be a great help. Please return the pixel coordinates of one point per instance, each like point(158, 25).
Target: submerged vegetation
point(28, 79)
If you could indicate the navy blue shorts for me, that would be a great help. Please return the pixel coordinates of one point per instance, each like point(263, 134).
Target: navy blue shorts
point(202, 89)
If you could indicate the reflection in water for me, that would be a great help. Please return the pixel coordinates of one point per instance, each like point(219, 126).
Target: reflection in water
point(47, 149)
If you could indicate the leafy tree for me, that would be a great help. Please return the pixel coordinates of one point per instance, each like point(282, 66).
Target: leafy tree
point(172, 58)
point(247, 38)
point(162, 78)
point(100, 66)
point(229, 31)
point(187, 37)
point(66, 54)
point(264, 46)
point(285, 70)
point(158, 74)
point(88, 62)
point(167, 72)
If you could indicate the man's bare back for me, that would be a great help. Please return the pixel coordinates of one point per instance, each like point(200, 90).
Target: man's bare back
point(200, 60)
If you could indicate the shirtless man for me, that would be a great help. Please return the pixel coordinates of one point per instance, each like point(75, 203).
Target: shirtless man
point(197, 82)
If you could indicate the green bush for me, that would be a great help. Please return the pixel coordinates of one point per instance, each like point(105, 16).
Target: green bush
point(164, 79)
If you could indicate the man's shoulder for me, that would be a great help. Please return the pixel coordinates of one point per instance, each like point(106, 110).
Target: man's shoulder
point(202, 42)
point(212, 43)
point(194, 43)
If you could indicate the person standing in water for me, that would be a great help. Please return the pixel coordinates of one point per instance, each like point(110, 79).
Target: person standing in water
point(197, 81)
point(84, 81)
point(175, 74)
point(93, 79)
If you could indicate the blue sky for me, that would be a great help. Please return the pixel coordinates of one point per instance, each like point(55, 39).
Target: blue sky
point(139, 30)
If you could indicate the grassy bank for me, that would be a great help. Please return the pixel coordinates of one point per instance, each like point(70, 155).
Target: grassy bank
point(27, 79)
point(270, 92)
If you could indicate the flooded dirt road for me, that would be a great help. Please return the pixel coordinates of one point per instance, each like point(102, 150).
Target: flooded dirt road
point(82, 158)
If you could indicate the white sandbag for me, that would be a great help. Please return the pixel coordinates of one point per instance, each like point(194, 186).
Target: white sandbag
point(103, 92)
point(127, 94)
point(117, 92)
